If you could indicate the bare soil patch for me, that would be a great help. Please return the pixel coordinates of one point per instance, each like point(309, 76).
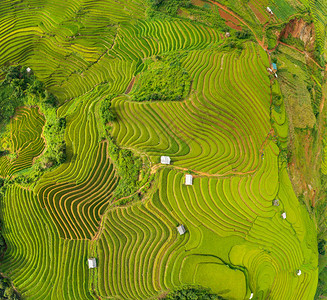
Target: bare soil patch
point(130, 86)
point(300, 29)
point(233, 25)
point(231, 21)
point(225, 15)
point(262, 18)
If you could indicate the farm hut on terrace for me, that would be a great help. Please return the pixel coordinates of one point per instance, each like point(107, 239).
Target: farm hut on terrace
point(269, 10)
point(274, 66)
point(188, 179)
point(251, 296)
point(284, 215)
point(181, 229)
point(298, 272)
point(28, 69)
point(276, 202)
point(92, 263)
point(165, 160)
point(227, 34)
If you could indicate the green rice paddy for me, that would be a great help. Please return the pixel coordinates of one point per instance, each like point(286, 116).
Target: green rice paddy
point(236, 242)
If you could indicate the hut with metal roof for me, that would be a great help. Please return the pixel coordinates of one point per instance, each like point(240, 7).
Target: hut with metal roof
point(92, 263)
point(181, 229)
point(274, 66)
point(165, 160)
point(188, 179)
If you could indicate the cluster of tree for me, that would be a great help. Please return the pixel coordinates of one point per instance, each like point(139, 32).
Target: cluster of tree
point(192, 293)
point(106, 112)
point(56, 145)
point(21, 87)
point(322, 247)
point(236, 40)
point(243, 34)
point(163, 79)
point(7, 292)
point(127, 164)
point(277, 101)
point(128, 168)
point(4, 152)
point(12, 91)
point(168, 6)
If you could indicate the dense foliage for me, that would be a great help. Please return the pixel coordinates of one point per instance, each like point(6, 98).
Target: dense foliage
point(127, 164)
point(169, 6)
point(18, 88)
point(107, 114)
point(6, 290)
point(21, 87)
point(192, 293)
point(163, 79)
point(128, 167)
point(56, 146)
point(13, 91)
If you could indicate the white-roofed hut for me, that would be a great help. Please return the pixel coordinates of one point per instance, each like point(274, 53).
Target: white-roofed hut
point(298, 272)
point(188, 179)
point(284, 215)
point(92, 263)
point(165, 160)
point(181, 229)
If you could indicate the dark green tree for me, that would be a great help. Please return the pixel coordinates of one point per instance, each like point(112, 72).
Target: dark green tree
point(192, 293)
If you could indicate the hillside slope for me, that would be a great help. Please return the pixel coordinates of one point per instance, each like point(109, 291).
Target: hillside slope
point(228, 132)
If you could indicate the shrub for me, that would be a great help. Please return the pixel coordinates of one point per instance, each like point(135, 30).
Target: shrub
point(168, 6)
point(321, 247)
point(106, 112)
point(244, 34)
point(164, 79)
point(22, 88)
point(128, 168)
point(192, 292)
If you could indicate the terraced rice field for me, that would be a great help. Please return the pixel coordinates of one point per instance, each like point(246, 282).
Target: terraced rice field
point(205, 134)
point(284, 9)
point(26, 141)
point(319, 11)
point(236, 242)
